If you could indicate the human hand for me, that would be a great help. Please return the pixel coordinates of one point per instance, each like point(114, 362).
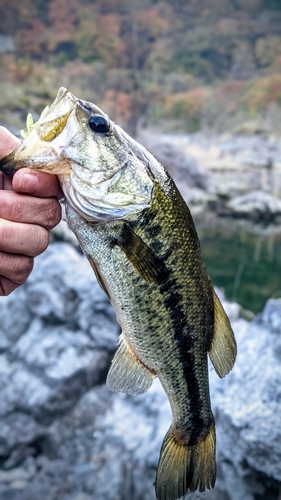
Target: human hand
point(28, 210)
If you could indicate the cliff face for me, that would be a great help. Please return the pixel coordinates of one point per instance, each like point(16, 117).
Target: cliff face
point(63, 435)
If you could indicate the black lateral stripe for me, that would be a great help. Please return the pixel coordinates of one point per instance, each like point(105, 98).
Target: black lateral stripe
point(147, 218)
point(156, 246)
point(153, 230)
point(184, 339)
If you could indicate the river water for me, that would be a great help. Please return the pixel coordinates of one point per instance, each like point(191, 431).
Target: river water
point(244, 260)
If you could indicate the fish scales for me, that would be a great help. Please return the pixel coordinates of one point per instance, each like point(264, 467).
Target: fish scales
point(135, 302)
point(184, 377)
point(140, 239)
point(181, 324)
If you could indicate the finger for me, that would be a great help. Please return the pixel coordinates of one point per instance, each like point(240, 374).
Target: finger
point(8, 142)
point(7, 286)
point(35, 183)
point(16, 268)
point(16, 207)
point(23, 239)
point(7, 182)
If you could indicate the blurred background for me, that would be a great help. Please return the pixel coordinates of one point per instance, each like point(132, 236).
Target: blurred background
point(198, 82)
point(180, 65)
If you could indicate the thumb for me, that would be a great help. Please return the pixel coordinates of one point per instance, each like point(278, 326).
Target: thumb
point(8, 142)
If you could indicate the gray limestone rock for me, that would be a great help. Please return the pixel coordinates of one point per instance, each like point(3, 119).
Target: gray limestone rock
point(247, 408)
point(49, 356)
point(212, 170)
point(257, 205)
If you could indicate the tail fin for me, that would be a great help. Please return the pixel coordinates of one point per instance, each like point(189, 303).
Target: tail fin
point(182, 467)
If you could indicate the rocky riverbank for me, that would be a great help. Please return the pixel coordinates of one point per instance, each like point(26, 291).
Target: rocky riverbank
point(64, 435)
point(231, 175)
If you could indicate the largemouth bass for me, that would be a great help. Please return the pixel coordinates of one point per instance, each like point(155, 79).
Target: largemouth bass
point(140, 239)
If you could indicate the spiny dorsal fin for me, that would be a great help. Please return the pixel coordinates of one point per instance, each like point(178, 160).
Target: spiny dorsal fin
point(127, 373)
point(147, 264)
point(223, 347)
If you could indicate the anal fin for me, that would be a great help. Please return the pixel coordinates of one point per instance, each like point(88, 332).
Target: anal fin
point(127, 373)
point(223, 347)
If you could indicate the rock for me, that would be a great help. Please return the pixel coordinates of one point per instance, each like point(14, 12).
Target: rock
point(211, 171)
point(15, 318)
point(179, 165)
point(191, 180)
point(64, 435)
point(7, 44)
point(50, 356)
point(257, 205)
point(271, 316)
point(247, 409)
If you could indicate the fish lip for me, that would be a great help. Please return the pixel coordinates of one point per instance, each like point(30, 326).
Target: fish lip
point(61, 92)
point(65, 102)
point(60, 95)
point(7, 164)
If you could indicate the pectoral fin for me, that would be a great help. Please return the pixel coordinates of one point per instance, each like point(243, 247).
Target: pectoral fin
point(98, 275)
point(127, 373)
point(223, 347)
point(147, 264)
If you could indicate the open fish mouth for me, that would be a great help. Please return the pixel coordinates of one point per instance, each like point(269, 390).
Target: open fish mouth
point(101, 179)
point(45, 140)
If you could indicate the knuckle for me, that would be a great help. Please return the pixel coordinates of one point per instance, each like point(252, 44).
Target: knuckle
point(41, 240)
point(7, 286)
point(14, 270)
point(4, 291)
point(10, 206)
point(4, 261)
point(23, 268)
point(6, 232)
point(53, 213)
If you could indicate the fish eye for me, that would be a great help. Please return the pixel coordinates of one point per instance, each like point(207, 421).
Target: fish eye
point(99, 124)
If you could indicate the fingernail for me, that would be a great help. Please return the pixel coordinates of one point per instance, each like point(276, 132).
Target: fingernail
point(28, 182)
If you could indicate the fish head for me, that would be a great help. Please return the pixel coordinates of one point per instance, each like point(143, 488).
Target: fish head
point(103, 172)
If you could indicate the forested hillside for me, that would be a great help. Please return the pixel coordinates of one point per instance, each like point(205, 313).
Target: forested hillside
point(179, 64)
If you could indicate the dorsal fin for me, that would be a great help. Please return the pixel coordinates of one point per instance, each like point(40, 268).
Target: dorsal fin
point(223, 348)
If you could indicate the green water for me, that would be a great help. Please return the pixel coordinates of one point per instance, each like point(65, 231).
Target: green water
point(244, 261)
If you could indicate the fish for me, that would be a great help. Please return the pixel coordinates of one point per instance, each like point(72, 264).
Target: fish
point(140, 239)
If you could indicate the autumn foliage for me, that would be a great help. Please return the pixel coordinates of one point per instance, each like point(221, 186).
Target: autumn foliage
point(185, 64)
